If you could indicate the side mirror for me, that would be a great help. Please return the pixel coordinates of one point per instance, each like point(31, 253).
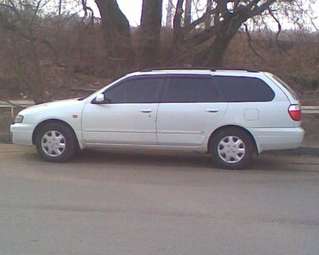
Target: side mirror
point(100, 99)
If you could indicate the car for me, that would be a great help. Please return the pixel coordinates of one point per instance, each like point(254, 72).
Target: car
point(232, 115)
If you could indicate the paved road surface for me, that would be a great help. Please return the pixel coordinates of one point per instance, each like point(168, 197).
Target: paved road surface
point(129, 203)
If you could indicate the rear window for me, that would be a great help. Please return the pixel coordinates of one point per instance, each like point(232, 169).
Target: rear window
point(244, 89)
point(285, 85)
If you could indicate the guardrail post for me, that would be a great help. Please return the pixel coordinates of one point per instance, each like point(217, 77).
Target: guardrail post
point(12, 113)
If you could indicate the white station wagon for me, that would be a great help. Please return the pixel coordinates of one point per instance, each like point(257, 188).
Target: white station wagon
point(232, 115)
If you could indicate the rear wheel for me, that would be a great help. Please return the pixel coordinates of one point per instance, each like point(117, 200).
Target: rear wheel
point(232, 148)
point(56, 142)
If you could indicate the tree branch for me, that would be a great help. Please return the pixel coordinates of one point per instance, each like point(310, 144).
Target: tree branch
point(250, 44)
point(257, 10)
point(86, 9)
point(200, 20)
point(279, 28)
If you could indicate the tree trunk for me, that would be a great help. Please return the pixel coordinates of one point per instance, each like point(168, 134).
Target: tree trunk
point(188, 12)
point(60, 7)
point(177, 24)
point(169, 17)
point(213, 56)
point(116, 29)
point(151, 23)
point(209, 6)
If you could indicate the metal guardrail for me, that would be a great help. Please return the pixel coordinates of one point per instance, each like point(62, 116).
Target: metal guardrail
point(310, 109)
point(22, 103)
point(26, 103)
point(14, 104)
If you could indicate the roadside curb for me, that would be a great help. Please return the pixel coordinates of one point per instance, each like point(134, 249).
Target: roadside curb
point(302, 151)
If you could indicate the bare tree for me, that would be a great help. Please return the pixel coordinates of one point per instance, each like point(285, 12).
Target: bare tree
point(117, 36)
point(151, 21)
point(206, 38)
point(210, 35)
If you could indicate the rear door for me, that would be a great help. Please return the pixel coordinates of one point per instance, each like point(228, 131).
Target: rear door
point(252, 102)
point(190, 108)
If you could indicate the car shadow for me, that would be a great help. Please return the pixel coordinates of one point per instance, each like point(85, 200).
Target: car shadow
point(270, 161)
point(276, 161)
point(138, 158)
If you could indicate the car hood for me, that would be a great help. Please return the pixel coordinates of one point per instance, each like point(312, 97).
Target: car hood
point(51, 105)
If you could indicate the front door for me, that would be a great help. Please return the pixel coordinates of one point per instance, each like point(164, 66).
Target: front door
point(129, 116)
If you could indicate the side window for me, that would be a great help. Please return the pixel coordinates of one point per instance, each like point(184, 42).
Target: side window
point(143, 90)
point(244, 89)
point(191, 90)
point(116, 94)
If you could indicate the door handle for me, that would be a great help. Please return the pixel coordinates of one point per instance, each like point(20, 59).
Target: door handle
point(146, 110)
point(212, 110)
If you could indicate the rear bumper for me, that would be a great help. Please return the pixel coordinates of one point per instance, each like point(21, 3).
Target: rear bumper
point(278, 138)
point(21, 134)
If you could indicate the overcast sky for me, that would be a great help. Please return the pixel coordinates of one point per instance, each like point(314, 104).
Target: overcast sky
point(132, 9)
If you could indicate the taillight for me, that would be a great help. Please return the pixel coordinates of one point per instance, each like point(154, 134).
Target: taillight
point(295, 112)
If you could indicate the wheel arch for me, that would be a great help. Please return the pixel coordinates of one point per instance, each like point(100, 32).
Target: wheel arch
point(232, 126)
point(45, 122)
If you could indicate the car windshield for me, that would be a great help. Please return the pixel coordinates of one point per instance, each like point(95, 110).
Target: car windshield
point(90, 93)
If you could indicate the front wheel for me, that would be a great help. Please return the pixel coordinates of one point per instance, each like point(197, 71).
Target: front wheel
point(56, 142)
point(232, 148)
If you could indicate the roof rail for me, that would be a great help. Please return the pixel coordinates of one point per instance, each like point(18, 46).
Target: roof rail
point(239, 69)
point(176, 68)
point(251, 70)
point(196, 68)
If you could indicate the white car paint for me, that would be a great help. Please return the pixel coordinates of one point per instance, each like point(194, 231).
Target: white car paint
point(181, 126)
point(191, 125)
point(119, 124)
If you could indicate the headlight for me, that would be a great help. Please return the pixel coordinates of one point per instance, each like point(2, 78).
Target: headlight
point(19, 119)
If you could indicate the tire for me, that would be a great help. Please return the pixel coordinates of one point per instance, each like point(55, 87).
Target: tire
point(56, 142)
point(233, 149)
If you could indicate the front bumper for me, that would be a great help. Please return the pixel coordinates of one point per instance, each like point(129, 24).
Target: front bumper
point(278, 138)
point(21, 133)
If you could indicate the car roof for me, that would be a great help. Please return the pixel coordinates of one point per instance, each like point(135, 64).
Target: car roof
point(250, 73)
